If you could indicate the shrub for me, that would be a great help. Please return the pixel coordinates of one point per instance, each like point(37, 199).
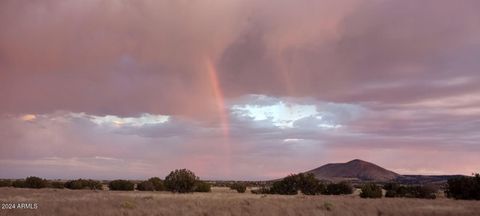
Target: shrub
point(371, 190)
point(286, 186)
point(290, 185)
point(5, 183)
point(338, 188)
point(35, 182)
point(145, 186)
point(309, 185)
point(261, 190)
point(56, 184)
point(19, 183)
point(240, 188)
point(157, 183)
point(181, 181)
point(83, 184)
point(121, 185)
point(395, 190)
point(422, 192)
point(467, 188)
point(201, 186)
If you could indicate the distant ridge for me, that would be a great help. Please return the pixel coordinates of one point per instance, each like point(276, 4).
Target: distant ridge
point(355, 170)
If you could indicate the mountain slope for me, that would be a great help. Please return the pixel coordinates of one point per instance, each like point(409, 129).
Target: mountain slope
point(356, 169)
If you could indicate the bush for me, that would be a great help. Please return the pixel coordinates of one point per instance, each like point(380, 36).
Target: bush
point(157, 183)
point(422, 192)
point(467, 188)
point(395, 190)
point(286, 186)
point(309, 185)
point(290, 185)
point(5, 183)
point(338, 188)
point(83, 184)
point(202, 186)
point(19, 183)
point(35, 182)
point(56, 184)
point(145, 186)
point(261, 190)
point(240, 188)
point(181, 181)
point(121, 185)
point(371, 190)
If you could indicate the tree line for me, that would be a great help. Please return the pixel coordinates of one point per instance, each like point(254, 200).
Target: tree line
point(185, 181)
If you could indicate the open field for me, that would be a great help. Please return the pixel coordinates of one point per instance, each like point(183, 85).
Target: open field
point(221, 201)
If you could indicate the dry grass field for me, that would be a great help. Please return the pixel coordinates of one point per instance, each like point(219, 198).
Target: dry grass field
point(221, 201)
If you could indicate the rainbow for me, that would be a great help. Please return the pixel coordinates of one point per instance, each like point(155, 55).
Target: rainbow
point(218, 96)
point(222, 113)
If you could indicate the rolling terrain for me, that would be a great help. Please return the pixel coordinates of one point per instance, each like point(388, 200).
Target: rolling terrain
point(360, 171)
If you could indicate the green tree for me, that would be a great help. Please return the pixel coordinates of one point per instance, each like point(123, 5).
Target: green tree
point(181, 181)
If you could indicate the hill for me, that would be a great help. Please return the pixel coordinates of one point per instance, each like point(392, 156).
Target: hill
point(354, 170)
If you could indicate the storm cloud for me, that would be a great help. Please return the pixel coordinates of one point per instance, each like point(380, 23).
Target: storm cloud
point(91, 86)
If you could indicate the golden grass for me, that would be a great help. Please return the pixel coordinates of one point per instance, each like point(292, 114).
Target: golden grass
point(221, 201)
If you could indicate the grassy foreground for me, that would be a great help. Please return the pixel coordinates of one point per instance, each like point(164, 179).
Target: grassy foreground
point(221, 201)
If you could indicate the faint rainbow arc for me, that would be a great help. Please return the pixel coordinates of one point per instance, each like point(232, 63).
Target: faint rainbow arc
point(218, 96)
point(222, 112)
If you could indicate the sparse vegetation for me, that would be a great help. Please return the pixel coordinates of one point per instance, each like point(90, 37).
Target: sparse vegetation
point(221, 201)
point(5, 183)
point(239, 187)
point(467, 188)
point(83, 184)
point(328, 206)
point(261, 190)
point(121, 185)
point(371, 190)
point(181, 181)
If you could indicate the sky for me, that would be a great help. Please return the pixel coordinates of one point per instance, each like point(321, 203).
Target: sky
point(237, 89)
